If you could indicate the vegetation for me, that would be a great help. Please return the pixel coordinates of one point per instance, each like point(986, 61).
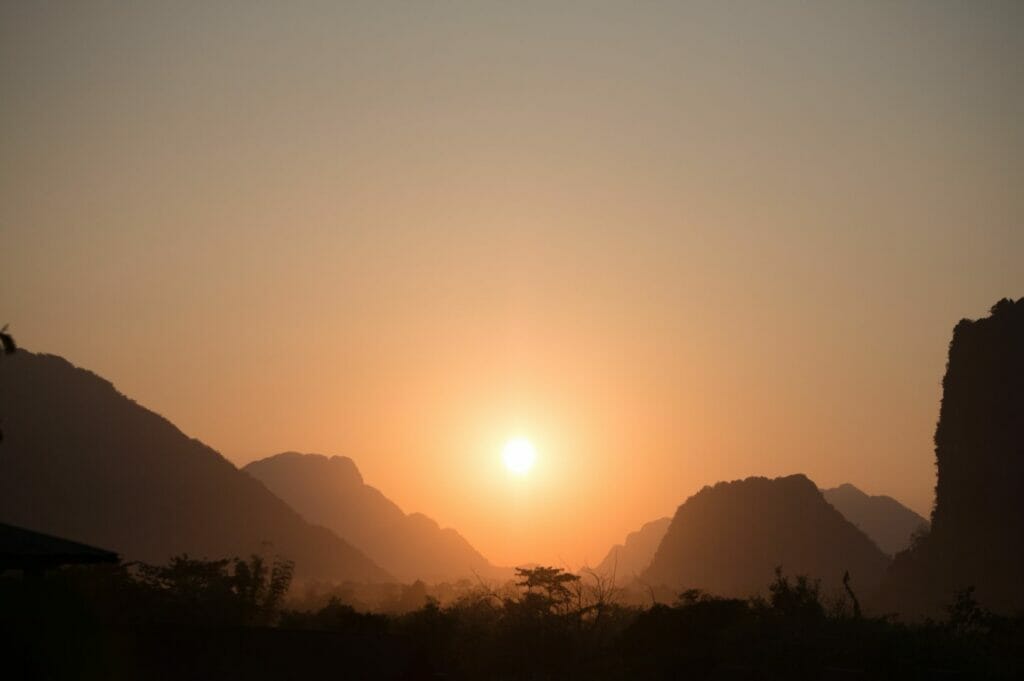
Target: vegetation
point(219, 592)
point(229, 619)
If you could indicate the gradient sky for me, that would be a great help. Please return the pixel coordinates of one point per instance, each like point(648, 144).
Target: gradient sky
point(672, 243)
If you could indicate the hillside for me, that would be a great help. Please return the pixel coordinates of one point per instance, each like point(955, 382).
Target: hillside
point(330, 491)
point(978, 521)
point(728, 539)
point(82, 461)
point(632, 557)
point(888, 522)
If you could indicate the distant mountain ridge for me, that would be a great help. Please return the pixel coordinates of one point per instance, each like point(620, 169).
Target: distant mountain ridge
point(82, 461)
point(728, 539)
point(888, 522)
point(331, 491)
point(632, 557)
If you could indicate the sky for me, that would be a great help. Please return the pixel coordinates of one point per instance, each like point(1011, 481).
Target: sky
point(669, 243)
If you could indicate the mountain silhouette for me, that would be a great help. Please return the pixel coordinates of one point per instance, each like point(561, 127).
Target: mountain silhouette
point(82, 461)
point(888, 522)
point(978, 520)
point(728, 539)
point(632, 557)
point(330, 491)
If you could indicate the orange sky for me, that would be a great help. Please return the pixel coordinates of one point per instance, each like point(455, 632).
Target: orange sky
point(671, 245)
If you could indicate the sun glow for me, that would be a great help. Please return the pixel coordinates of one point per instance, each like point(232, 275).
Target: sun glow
point(519, 455)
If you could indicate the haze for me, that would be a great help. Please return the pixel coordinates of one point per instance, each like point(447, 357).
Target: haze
point(669, 244)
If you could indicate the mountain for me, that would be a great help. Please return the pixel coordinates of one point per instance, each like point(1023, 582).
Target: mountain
point(331, 491)
point(728, 540)
point(82, 461)
point(888, 522)
point(632, 557)
point(978, 520)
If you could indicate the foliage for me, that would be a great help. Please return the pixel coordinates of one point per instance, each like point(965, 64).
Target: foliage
point(547, 589)
point(799, 599)
point(223, 619)
point(336, 616)
point(966, 617)
point(227, 591)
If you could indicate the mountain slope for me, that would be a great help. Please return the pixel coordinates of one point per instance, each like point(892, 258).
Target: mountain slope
point(632, 557)
point(888, 522)
point(728, 539)
point(331, 491)
point(978, 521)
point(82, 461)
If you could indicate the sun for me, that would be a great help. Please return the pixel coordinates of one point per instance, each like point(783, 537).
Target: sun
point(519, 455)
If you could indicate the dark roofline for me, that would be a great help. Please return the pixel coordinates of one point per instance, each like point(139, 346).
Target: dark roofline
point(23, 549)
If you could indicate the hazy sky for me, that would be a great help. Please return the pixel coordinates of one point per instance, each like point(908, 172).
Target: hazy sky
point(671, 243)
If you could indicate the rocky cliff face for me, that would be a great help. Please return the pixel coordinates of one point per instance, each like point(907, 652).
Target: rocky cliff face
point(728, 539)
point(979, 441)
point(977, 534)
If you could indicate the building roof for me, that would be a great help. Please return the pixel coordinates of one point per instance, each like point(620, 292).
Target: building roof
point(22, 549)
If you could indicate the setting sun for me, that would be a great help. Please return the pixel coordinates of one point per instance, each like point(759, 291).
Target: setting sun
point(519, 455)
point(484, 340)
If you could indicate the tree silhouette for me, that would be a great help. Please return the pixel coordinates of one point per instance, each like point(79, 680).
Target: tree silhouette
point(547, 587)
point(225, 591)
point(7, 341)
